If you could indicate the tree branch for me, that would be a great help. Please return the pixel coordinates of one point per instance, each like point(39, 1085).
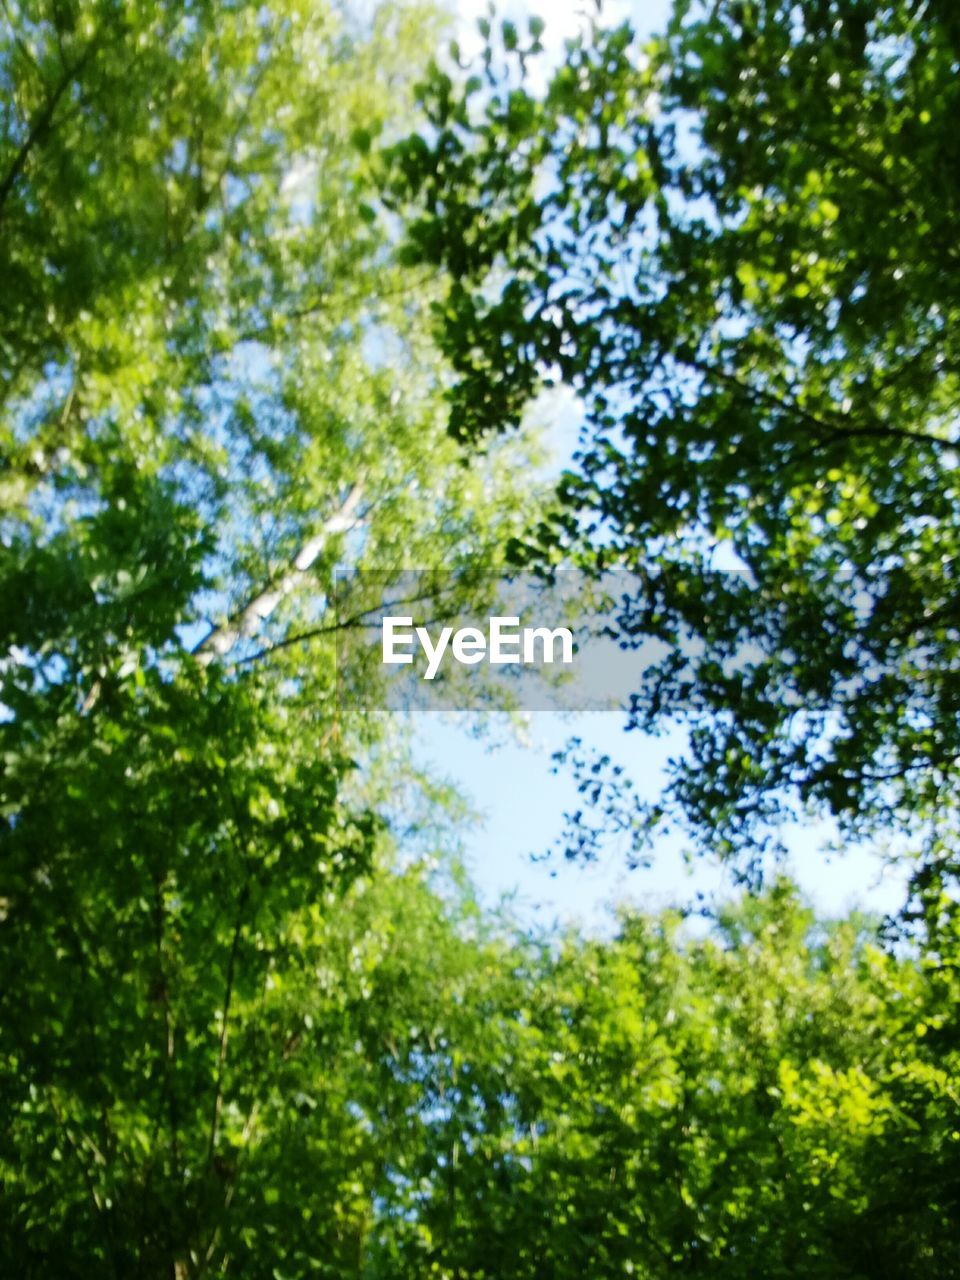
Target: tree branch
point(836, 430)
point(41, 123)
point(225, 1014)
point(247, 620)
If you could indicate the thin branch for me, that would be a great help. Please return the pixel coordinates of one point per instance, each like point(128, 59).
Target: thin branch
point(836, 430)
point(205, 194)
point(331, 628)
point(163, 993)
point(40, 125)
point(225, 1017)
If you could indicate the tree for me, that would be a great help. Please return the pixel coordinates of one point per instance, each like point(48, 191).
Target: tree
point(240, 1032)
point(756, 1101)
point(737, 246)
point(216, 384)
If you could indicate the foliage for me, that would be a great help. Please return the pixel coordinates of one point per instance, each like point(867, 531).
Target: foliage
point(455, 1098)
point(755, 1102)
point(246, 1025)
point(216, 385)
point(737, 246)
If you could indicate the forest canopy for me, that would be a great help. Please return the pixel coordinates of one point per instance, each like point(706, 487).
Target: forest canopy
point(282, 284)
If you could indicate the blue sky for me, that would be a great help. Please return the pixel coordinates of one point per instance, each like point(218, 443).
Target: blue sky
point(521, 803)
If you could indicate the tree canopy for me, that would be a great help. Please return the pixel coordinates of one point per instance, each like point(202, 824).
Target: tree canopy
point(216, 385)
point(270, 309)
point(737, 245)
